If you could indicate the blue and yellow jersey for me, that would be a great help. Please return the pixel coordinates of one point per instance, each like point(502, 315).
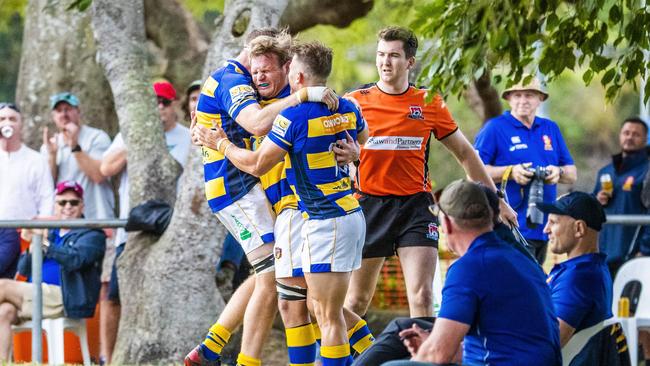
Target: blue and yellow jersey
point(308, 132)
point(275, 183)
point(226, 92)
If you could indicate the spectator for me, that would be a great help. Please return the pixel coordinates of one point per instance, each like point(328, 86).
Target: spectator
point(114, 161)
point(74, 154)
point(517, 141)
point(581, 286)
point(26, 187)
point(71, 271)
point(495, 299)
point(618, 189)
point(192, 94)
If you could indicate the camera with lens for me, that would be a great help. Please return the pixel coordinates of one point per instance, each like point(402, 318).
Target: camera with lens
point(534, 216)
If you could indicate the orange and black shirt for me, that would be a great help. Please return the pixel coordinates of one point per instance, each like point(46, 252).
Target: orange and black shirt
point(394, 159)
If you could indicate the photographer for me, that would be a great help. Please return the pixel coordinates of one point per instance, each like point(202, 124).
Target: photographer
point(526, 151)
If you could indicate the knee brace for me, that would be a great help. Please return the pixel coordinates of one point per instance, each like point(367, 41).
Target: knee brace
point(264, 265)
point(291, 293)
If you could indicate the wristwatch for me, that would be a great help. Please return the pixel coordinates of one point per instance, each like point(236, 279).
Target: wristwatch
point(76, 148)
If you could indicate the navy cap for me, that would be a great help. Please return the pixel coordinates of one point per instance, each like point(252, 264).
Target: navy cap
point(580, 206)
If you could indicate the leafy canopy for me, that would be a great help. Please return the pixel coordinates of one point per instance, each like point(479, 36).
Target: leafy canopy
point(518, 37)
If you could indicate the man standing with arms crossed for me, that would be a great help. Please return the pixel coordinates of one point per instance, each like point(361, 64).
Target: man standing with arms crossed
point(229, 101)
point(393, 178)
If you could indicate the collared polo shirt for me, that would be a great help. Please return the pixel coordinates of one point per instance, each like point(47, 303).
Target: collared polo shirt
point(504, 140)
point(503, 297)
point(582, 290)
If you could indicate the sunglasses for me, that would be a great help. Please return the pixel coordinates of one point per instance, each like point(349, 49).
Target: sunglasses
point(4, 105)
point(165, 102)
point(73, 203)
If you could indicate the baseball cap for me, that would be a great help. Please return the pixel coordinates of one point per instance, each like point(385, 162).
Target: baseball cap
point(164, 89)
point(69, 185)
point(580, 206)
point(194, 85)
point(464, 200)
point(66, 97)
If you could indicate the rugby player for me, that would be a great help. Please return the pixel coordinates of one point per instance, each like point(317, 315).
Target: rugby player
point(393, 178)
point(332, 236)
point(229, 101)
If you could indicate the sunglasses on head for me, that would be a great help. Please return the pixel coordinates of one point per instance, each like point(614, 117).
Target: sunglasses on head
point(4, 105)
point(164, 101)
point(73, 203)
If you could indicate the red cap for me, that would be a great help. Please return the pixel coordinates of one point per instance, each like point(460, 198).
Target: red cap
point(69, 185)
point(164, 89)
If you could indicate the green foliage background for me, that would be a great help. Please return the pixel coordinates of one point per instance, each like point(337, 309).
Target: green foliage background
point(588, 122)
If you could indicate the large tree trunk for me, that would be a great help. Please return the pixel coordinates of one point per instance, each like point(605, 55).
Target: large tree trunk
point(59, 55)
point(483, 98)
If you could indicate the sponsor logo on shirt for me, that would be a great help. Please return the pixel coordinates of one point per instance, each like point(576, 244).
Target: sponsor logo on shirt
point(518, 147)
point(241, 92)
point(515, 139)
point(415, 112)
point(280, 125)
point(547, 143)
point(394, 143)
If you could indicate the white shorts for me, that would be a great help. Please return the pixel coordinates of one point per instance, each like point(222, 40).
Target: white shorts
point(250, 219)
point(333, 245)
point(288, 243)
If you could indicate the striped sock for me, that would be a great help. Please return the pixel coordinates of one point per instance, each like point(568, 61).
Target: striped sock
point(360, 336)
point(316, 332)
point(301, 343)
point(335, 355)
point(243, 360)
point(214, 342)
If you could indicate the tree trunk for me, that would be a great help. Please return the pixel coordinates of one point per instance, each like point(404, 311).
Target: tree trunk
point(483, 98)
point(59, 55)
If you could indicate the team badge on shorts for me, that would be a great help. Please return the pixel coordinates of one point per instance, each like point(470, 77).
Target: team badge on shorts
point(433, 231)
point(278, 253)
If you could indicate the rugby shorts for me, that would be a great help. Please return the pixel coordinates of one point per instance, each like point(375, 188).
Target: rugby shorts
point(250, 219)
point(333, 245)
point(397, 221)
point(288, 243)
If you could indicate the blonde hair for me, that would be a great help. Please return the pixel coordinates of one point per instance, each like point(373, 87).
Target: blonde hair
point(279, 45)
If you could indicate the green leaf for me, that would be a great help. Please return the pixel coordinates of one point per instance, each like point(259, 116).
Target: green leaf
point(588, 76)
point(607, 78)
point(615, 14)
point(80, 5)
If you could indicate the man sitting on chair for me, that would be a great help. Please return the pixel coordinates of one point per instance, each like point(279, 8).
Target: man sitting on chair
point(72, 265)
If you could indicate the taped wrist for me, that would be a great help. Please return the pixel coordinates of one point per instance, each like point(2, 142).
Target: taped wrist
point(291, 293)
point(264, 265)
point(315, 93)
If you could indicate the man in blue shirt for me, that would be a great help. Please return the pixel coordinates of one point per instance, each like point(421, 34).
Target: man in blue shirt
point(517, 141)
point(495, 301)
point(581, 285)
point(618, 189)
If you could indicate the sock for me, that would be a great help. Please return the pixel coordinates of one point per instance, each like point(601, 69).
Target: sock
point(335, 355)
point(214, 342)
point(360, 336)
point(316, 332)
point(243, 360)
point(301, 343)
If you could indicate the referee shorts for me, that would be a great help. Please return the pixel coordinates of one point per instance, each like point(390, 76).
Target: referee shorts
point(397, 221)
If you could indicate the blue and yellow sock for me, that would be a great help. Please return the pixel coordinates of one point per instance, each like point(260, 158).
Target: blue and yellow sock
point(301, 343)
point(316, 332)
point(217, 338)
point(243, 360)
point(360, 336)
point(335, 355)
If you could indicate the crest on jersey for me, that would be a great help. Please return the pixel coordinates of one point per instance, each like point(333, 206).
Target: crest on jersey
point(415, 112)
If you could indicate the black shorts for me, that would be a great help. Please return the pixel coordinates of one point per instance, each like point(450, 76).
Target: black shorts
point(397, 221)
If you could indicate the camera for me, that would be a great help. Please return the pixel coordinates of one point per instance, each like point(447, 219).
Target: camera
point(534, 216)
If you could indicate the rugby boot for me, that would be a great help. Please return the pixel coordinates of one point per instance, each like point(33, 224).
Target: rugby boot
point(196, 358)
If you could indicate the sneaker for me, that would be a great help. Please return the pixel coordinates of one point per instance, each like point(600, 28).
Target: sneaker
point(196, 358)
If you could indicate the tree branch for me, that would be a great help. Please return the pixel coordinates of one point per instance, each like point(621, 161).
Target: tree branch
point(303, 14)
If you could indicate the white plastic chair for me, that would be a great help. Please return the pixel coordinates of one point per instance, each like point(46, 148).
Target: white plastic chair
point(54, 329)
point(636, 269)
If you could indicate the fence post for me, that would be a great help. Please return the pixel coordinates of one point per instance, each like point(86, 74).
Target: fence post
point(37, 312)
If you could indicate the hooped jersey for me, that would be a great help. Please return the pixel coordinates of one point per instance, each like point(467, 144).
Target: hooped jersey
point(394, 160)
point(275, 183)
point(223, 95)
point(308, 132)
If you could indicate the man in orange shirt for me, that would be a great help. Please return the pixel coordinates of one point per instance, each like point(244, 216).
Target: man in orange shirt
point(393, 178)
